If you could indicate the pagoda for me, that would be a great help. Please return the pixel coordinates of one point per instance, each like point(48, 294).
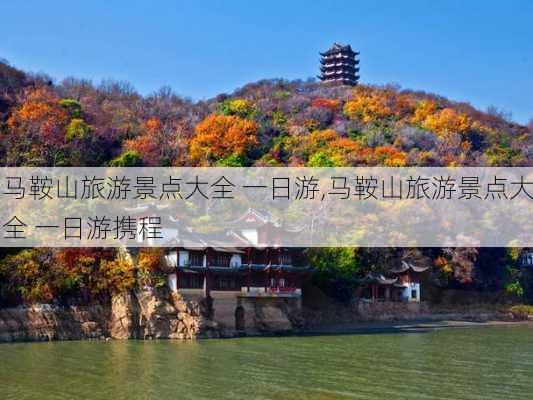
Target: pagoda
point(339, 65)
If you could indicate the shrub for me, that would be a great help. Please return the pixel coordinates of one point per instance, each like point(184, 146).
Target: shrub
point(72, 106)
point(77, 129)
point(521, 311)
point(240, 107)
point(129, 158)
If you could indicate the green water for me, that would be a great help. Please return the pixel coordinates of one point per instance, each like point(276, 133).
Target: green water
point(476, 363)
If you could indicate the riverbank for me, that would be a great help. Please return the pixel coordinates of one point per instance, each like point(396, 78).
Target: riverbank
point(164, 321)
point(408, 326)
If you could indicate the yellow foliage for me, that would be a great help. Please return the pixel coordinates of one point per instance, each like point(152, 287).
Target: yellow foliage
point(240, 107)
point(447, 121)
point(117, 275)
point(150, 258)
point(367, 105)
point(442, 122)
point(423, 110)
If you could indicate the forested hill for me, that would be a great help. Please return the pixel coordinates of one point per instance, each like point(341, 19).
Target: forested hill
point(267, 123)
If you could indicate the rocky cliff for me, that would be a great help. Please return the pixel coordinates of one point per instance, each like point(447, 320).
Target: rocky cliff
point(140, 314)
point(159, 314)
point(45, 322)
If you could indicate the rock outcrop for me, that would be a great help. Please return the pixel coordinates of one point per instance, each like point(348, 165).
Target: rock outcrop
point(46, 322)
point(159, 314)
point(140, 314)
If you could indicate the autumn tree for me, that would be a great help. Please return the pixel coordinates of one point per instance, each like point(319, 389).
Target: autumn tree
point(220, 136)
point(156, 145)
point(36, 129)
point(367, 105)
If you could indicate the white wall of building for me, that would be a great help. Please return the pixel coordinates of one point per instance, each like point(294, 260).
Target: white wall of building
point(183, 258)
point(235, 261)
point(411, 292)
point(251, 235)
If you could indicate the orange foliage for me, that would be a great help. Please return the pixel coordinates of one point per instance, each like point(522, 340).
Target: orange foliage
point(322, 138)
point(219, 136)
point(149, 145)
point(390, 156)
point(40, 115)
point(322, 102)
point(343, 151)
point(443, 264)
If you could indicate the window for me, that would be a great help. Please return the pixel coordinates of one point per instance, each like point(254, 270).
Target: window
point(285, 259)
point(195, 281)
point(222, 260)
point(414, 294)
point(225, 284)
point(196, 259)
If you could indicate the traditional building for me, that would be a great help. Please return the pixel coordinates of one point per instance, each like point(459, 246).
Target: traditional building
point(339, 64)
point(244, 271)
point(247, 257)
point(402, 285)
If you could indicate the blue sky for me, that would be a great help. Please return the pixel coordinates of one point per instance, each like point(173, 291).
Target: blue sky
point(475, 51)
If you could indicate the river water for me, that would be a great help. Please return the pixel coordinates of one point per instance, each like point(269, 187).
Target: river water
point(474, 363)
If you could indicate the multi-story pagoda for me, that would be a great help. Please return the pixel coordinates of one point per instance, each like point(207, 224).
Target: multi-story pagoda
point(339, 65)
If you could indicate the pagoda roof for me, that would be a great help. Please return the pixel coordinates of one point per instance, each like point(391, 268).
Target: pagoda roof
point(188, 239)
point(144, 208)
point(339, 48)
point(377, 278)
point(256, 219)
point(405, 267)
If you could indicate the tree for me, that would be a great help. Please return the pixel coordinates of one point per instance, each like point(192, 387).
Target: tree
point(156, 145)
point(39, 121)
point(220, 136)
